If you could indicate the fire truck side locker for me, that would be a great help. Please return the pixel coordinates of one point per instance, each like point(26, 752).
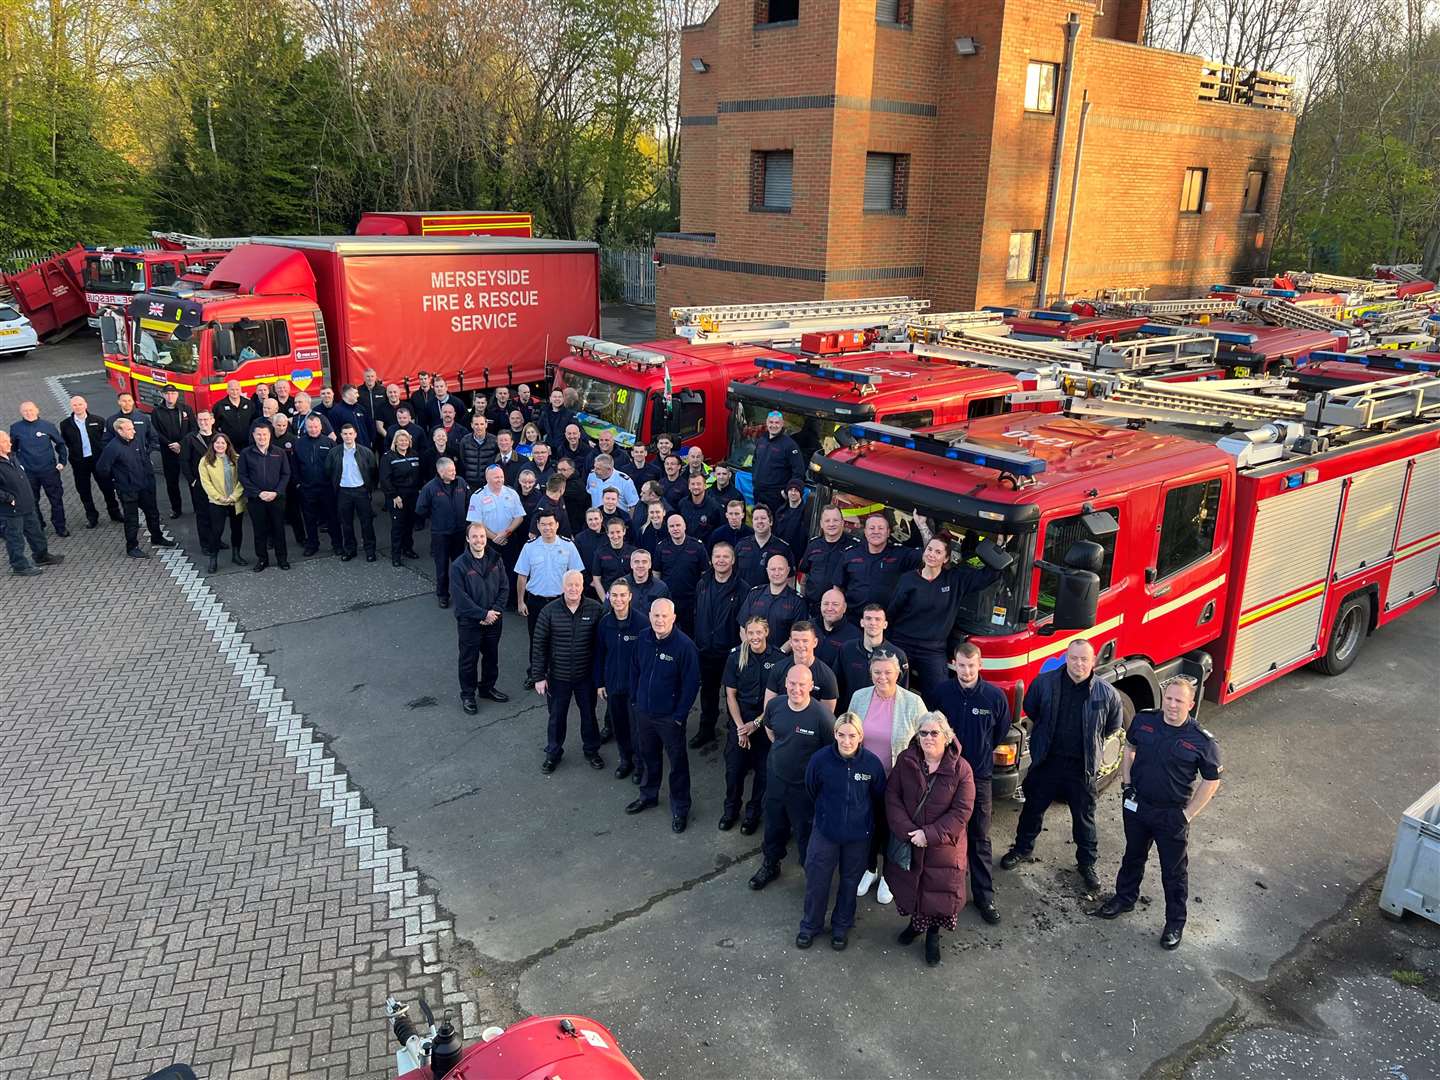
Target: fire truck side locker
point(1363, 520)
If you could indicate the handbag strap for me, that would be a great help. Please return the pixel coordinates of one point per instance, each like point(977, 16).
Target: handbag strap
point(929, 787)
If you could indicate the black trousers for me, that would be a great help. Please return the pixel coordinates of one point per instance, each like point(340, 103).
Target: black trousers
point(445, 548)
point(788, 811)
point(317, 507)
point(620, 719)
point(712, 669)
point(1168, 830)
point(1058, 779)
point(741, 762)
point(927, 669)
point(558, 694)
point(351, 503)
point(293, 515)
point(509, 554)
point(478, 644)
point(663, 733)
point(49, 482)
point(267, 519)
point(171, 464)
point(200, 504)
point(977, 844)
point(83, 470)
point(18, 529)
point(533, 604)
point(402, 524)
point(216, 518)
point(131, 506)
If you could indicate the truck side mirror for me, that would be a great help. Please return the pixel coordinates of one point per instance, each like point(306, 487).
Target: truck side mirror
point(1077, 597)
point(109, 332)
point(222, 344)
point(993, 555)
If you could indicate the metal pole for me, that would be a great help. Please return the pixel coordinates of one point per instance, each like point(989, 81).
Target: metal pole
point(1074, 191)
point(1072, 31)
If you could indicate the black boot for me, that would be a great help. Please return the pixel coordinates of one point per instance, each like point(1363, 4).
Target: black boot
point(237, 558)
point(214, 561)
point(932, 946)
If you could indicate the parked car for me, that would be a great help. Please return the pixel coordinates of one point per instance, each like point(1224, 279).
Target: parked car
point(17, 336)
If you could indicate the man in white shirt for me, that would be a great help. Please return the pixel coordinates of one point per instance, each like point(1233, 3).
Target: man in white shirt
point(500, 510)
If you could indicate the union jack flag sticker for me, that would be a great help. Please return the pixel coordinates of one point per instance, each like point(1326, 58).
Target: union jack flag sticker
point(157, 309)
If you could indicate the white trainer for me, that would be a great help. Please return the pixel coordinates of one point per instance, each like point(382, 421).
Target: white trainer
point(883, 894)
point(867, 879)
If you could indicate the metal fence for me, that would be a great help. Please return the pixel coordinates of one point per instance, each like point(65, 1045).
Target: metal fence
point(18, 259)
point(631, 272)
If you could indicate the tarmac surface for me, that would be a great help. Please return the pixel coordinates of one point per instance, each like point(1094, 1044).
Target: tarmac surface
point(560, 902)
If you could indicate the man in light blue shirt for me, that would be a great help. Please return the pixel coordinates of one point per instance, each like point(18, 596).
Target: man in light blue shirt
point(540, 570)
point(603, 475)
point(500, 510)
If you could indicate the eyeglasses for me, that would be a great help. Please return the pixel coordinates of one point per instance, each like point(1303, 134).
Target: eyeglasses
point(929, 734)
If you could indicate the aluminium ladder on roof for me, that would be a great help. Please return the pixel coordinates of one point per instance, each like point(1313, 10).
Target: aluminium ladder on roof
point(202, 243)
point(735, 324)
point(1284, 313)
point(934, 326)
point(1399, 271)
point(1158, 309)
point(1180, 403)
point(1164, 351)
point(1414, 395)
point(1338, 283)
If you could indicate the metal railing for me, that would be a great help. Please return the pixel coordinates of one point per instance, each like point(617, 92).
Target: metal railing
point(634, 269)
point(1245, 86)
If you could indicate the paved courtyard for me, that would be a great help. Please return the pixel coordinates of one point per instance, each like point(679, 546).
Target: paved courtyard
point(244, 808)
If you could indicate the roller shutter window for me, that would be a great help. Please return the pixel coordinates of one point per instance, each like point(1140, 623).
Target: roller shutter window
point(887, 11)
point(879, 182)
point(779, 169)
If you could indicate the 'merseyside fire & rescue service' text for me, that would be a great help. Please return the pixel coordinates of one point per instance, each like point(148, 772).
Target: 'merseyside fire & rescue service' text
point(494, 305)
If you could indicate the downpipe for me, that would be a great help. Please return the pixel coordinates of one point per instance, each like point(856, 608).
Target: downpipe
point(1052, 198)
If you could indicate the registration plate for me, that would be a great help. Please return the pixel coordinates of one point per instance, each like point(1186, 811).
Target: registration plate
point(5, 332)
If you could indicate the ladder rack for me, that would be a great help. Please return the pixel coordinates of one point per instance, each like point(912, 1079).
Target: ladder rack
point(1337, 283)
point(1400, 271)
point(202, 243)
point(936, 325)
point(1172, 309)
point(1181, 403)
point(1284, 313)
point(763, 323)
point(1167, 351)
point(1015, 355)
point(1374, 404)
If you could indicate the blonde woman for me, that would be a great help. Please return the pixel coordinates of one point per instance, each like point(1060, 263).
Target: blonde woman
point(891, 714)
point(846, 781)
point(747, 750)
point(220, 477)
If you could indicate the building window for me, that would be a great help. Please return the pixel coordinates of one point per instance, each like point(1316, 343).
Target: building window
point(1192, 194)
point(1023, 246)
point(776, 11)
point(1059, 535)
point(1187, 531)
point(1040, 80)
point(770, 173)
point(899, 12)
point(1254, 191)
point(886, 178)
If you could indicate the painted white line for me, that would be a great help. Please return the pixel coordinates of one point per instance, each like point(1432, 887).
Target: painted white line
point(425, 930)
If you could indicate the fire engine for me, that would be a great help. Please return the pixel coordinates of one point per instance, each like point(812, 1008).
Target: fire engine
point(481, 311)
point(113, 275)
point(1308, 526)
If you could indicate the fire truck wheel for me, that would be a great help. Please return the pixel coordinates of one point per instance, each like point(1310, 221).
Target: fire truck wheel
point(1114, 747)
point(1352, 622)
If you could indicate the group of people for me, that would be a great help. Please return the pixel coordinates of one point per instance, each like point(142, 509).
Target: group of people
point(647, 585)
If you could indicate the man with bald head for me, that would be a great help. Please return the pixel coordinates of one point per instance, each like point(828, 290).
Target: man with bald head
point(1073, 711)
point(664, 679)
point(562, 667)
point(233, 415)
point(84, 437)
point(125, 462)
point(42, 453)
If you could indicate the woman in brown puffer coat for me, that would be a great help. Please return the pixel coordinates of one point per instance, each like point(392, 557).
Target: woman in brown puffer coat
point(930, 795)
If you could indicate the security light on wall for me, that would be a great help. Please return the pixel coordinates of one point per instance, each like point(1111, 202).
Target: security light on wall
point(966, 46)
point(698, 65)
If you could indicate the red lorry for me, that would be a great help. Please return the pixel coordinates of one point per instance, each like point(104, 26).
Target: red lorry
point(1283, 544)
point(480, 311)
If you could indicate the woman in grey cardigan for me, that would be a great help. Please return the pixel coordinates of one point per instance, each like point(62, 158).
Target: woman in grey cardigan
point(891, 715)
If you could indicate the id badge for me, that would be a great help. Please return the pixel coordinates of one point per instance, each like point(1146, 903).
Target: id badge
point(1131, 805)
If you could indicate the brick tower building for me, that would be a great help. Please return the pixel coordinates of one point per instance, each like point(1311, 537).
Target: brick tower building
point(843, 148)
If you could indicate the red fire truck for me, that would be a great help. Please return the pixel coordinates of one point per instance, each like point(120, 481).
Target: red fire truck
point(480, 311)
point(444, 223)
point(114, 275)
point(1286, 543)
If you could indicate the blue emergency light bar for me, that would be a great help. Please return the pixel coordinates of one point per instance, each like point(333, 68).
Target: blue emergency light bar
point(805, 367)
point(1055, 316)
point(999, 310)
point(1231, 337)
point(1000, 460)
point(1373, 360)
point(1166, 330)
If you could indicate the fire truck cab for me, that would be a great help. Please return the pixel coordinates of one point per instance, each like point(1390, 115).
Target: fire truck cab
point(1282, 544)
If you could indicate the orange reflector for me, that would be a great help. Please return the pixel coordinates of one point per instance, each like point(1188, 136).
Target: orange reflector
point(1007, 754)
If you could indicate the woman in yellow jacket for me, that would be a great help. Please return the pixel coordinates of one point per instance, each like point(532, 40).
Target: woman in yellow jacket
point(220, 477)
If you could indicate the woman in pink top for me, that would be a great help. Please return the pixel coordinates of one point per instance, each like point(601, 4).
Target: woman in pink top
point(891, 715)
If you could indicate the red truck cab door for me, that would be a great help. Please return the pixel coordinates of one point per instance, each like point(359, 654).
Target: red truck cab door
point(1185, 568)
point(251, 351)
point(694, 416)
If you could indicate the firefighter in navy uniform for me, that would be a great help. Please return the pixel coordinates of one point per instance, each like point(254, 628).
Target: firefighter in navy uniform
point(1166, 751)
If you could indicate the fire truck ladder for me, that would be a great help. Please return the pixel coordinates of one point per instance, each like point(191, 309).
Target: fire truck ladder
point(1414, 396)
point(1000, 352)
point(1399, 271)
point(1194, 404)
point(936, 325)
point(202, 243)
point(764, 323)
point(1166, 351)
point(1284, 313)
point(1173, 310)
point(1337, 283)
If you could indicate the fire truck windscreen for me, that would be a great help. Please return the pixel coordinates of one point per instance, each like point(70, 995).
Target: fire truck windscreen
point(169, 352)
point(747, 423)
point(621, 407)
point(114, 272)
point(991, 610)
